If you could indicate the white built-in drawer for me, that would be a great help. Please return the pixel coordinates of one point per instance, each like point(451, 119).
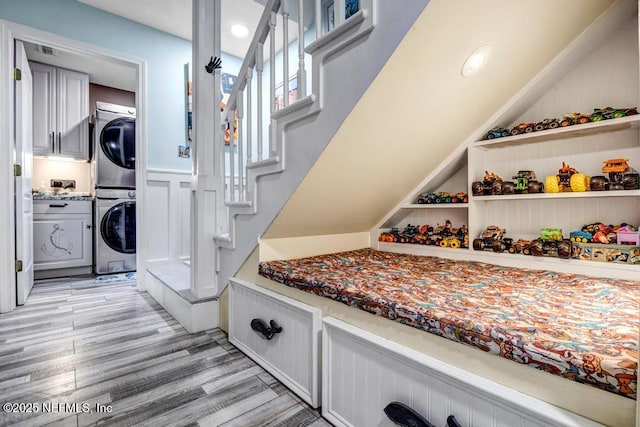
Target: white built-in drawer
point(292, 356)
point(62, 207)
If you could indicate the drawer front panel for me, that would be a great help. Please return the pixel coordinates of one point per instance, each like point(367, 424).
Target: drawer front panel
point(62, 207)
point(291, 355)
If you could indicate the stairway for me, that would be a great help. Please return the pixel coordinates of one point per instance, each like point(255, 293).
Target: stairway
point(344, 62)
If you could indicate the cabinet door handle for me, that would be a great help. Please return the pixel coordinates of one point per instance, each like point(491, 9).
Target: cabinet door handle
point(59, 141)
point(61, 205)
point(53, 142)
point(260, 327)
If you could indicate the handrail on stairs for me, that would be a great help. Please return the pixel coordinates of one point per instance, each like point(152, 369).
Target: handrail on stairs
point(238, 123)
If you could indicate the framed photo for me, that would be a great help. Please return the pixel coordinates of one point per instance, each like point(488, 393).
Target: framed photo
point(293, 92)
point(331, 21)
point(188, 102)
point(351, 7)
point(184, 151)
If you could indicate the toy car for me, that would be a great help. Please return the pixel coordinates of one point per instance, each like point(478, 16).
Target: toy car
point(523, 128)
point(616, 168)
point(627, 235)
point(520, 245)
point(450, 242)
point(574, 119)
point(490, 185)
point(561, 181)
point(497, 132)
point(551, 243)
point(427, 198)
point(525, 183)
point(547, 124)
point(580, 236)
point(599, 183)
point(491, 234)
point(612, 113)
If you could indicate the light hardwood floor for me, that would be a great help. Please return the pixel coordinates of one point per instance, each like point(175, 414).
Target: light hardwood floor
point(106, 345)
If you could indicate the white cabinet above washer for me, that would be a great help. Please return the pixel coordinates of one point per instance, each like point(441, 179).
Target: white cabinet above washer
point(60, 112)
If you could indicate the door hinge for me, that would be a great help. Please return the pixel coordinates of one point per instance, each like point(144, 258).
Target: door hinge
point(17, 170)
point(17, 74)
point(18, 265)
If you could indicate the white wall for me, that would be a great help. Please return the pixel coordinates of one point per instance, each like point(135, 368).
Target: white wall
point(167, 222)
point(44, 170)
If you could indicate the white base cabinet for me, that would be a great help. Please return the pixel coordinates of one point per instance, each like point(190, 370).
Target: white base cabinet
point(62, 235)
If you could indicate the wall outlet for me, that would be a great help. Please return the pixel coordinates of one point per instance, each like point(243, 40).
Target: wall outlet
point(63, 183)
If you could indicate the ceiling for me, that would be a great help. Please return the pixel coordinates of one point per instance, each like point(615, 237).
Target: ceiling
point(100, 71)
point(174, 17)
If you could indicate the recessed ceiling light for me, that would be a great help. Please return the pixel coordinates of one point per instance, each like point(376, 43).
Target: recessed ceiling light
point(476, 60)
point(239, 30)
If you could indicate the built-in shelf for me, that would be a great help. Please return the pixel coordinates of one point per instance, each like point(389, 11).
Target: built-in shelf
point(563, 195)
point(574, 131)
point(436, 206)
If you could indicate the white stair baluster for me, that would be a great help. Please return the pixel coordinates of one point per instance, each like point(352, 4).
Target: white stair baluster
point(241, 194)
point(232, 160)
point(339, 12)
point(302, 74)
point(272, 78)
point(318, 18)
point(285, 54)
point(259, 68)
point(249, 118)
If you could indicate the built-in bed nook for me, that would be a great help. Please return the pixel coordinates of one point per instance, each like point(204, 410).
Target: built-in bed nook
point(496, 339)
point(442, 336)
point(581, 328)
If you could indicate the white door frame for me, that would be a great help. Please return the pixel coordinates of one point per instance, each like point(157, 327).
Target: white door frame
point(8, 32)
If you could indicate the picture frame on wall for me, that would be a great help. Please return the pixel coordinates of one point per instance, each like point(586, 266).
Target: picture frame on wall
point(293, 92)
point(329, 17)
point(351, 8)
point(188, 102)
point(184, 151)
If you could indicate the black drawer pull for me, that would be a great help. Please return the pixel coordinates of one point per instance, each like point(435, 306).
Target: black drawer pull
point(403, 415)
point(268, 332)
point(62, 205)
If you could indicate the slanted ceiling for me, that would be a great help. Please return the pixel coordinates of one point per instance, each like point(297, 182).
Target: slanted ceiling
point(420, 108)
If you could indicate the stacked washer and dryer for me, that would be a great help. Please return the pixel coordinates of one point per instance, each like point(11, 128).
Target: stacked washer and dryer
point(115, 188)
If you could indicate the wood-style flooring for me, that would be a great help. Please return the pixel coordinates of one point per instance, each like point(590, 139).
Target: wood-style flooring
point(84, 353)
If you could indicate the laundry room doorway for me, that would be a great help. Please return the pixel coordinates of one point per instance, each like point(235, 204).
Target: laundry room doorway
point(16, 231)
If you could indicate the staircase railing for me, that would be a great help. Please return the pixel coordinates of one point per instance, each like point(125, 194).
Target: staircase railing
point(251, 111)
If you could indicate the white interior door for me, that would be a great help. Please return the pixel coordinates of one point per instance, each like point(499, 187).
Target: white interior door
point(23, 183)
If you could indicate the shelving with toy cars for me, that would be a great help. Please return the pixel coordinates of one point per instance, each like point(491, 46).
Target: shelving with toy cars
point(533, 155)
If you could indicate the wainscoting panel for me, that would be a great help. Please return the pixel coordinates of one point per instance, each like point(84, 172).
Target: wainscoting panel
point(168, 222)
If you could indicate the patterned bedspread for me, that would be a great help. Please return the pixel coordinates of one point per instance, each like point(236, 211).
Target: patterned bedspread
point(578, 327)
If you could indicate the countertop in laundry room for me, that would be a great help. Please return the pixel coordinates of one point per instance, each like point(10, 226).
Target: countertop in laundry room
point(63, 196)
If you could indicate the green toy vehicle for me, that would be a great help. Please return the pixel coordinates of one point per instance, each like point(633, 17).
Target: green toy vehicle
point(551, 243)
